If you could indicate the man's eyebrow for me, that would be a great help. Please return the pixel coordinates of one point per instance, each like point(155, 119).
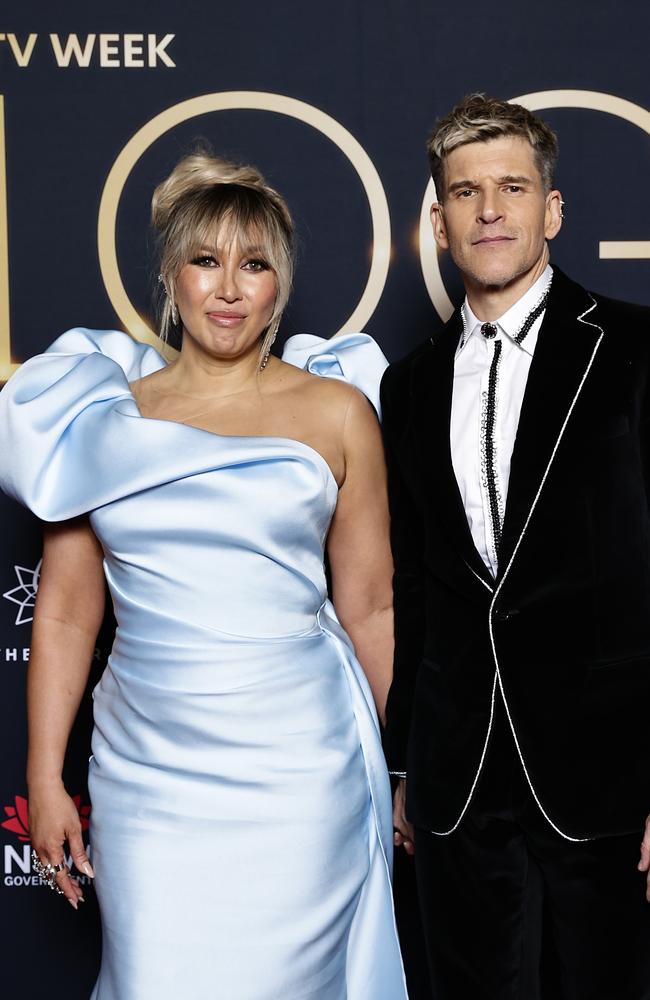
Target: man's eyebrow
point(515, 179)
point(459, 185)
point(506, 179)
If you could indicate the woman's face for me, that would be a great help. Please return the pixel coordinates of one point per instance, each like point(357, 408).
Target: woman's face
point(225, 297)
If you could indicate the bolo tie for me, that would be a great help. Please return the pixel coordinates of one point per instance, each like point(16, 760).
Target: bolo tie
point(488, 417)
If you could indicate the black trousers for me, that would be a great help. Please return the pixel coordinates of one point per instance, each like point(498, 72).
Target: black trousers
point(483, 890)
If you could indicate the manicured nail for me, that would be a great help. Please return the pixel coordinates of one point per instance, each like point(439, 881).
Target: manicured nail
point(87, 869)
point(80, 899)
point(72, 902)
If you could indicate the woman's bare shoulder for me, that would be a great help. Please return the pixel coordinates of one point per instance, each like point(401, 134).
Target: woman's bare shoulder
point(329, 393)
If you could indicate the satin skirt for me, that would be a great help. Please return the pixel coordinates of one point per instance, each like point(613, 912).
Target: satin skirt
point(234, 832)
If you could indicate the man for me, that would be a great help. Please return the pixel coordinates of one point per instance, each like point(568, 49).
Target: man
point(519, 465)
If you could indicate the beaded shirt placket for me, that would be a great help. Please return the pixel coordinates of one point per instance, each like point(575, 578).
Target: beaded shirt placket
point(489, 407)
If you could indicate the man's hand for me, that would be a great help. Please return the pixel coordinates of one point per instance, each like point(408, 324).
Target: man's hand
point(404, 835)
point(644, 863)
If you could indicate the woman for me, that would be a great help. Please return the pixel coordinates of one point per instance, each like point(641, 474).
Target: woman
point(241, 820)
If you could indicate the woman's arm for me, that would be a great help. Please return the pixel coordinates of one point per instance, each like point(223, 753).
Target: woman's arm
point(67, 616)
point(359, 549)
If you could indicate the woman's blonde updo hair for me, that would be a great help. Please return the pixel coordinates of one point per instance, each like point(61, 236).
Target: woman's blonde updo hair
point(205, 195)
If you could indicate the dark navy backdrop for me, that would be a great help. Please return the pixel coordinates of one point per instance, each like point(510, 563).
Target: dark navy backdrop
point(381, 69)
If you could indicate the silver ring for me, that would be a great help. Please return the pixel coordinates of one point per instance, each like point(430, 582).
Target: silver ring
point(49, 872)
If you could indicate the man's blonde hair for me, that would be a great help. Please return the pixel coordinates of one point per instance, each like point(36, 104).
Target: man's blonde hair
point(479, 118)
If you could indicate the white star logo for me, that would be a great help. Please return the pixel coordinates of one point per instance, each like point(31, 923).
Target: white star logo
point(24, 595)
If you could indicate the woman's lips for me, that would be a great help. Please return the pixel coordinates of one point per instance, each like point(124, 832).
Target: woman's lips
point(226, 318)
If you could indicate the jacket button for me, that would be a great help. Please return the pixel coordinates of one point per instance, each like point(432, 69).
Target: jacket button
point(502, 615)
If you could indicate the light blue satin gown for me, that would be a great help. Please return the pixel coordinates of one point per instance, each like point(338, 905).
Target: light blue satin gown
point(241, 816)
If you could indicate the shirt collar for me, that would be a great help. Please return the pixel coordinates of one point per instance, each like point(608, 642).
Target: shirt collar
point(511, 321)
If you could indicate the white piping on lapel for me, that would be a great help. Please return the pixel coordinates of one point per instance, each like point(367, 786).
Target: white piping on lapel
point(479, 578)
point(581, 319)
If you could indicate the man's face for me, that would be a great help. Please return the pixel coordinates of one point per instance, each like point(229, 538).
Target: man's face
point(495, 216)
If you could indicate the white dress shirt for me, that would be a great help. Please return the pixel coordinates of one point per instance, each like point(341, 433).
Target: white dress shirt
point(476, 459)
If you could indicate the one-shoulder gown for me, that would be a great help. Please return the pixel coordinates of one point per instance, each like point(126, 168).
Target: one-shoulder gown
point(241, 816)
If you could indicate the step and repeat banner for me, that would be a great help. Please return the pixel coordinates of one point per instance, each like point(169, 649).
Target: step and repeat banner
point(333, 102)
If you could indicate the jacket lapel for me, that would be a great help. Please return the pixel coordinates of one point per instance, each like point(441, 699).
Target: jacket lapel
point(563, 354)
point(433, 380)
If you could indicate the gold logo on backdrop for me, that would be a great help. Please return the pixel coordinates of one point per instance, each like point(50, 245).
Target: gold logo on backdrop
point(586, 100)
point(249, 101)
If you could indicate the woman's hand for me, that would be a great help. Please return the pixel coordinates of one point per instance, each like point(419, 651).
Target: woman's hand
point(404, 835)
point(53, 821)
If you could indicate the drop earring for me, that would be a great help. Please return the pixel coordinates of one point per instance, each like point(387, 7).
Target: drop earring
point(267, 352)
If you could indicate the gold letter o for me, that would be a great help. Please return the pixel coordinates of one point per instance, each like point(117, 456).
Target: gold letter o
point(252, 101)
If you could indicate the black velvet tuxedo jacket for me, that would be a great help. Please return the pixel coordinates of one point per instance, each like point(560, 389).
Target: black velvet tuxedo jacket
point(563, 633)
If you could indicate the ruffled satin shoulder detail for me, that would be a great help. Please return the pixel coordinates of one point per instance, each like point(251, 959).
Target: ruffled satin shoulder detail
point(134, 358)
point(58, 427)
point(350, 357)
point(72, 438)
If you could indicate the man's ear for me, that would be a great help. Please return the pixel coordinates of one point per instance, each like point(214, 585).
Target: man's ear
point(554, 214)
point(439, 228)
